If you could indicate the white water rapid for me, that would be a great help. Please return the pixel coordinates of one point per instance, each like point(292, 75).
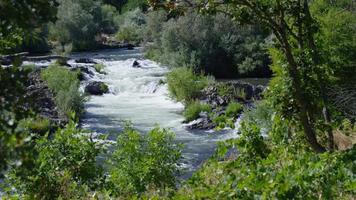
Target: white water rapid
point(137, 95)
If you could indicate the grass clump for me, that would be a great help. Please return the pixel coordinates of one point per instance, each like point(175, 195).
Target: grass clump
point(100, 68)
point(185, 85)
point(193, 110)
point(223, 121)
point(233, 109)
point(65, 85)
point(36, 125)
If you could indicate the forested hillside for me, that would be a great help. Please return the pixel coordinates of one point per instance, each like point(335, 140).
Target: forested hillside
point(294, 136)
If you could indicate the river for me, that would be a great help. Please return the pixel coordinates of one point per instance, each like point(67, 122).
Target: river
point(136, 96)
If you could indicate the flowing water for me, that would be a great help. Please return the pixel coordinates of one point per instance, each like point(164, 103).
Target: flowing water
point(137, 95)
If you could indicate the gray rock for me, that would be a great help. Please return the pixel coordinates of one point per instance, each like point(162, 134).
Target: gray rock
point(201, 123)
point(96, 88)
point(85, 60)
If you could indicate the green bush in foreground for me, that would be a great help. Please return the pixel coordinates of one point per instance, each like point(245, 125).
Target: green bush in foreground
point(65, 85)
point(262, 170)
point(62, 167)
point(184, 85)
point(142, 163)
point(193, 110)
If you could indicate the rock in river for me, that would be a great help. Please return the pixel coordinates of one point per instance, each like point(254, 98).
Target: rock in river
point(136, 64)
point(96, 88)
point(85, 60)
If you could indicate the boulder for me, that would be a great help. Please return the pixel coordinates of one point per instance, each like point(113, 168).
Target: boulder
point(202, 123)
point(96, 88)
point(136, 64)
point(85, 60)
point(130, 46)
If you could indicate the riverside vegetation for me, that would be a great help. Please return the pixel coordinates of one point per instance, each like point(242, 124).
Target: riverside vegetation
point(297, 142)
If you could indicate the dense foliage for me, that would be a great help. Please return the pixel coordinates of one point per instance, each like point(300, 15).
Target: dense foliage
point(213, 44)
point(185, 85)
point(193, 110)
point(143, 163)
point(13, 107)
point(62, 167)
point(65, 85)
point(297, 143)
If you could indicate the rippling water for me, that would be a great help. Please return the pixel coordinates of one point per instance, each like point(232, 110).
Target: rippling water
point(137, 96)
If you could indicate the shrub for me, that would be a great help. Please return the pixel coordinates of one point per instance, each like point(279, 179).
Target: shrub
point(128, 34)
point(265, 171)
point(225, 89)
point(143, 162)
point(193, 110)
point(213, 44)
point(184, 85)
point(65, 85)
point(62, 167)
point(223, 121)
point(233, 109)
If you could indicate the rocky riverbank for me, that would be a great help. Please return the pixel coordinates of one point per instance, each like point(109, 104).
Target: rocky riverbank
point(44, 99)
point(219, 96)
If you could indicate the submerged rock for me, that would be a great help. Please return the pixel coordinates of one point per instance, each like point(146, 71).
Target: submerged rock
point(85, 60)
point(96, 88)
point(136, 64)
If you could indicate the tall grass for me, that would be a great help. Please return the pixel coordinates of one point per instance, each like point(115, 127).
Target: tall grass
point(184, 85)
point(193, 110)
point(65, 85)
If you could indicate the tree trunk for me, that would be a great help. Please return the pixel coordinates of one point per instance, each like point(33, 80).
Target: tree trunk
point(316, 61)
point(296, 84)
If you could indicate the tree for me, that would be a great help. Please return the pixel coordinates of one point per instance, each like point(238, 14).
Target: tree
point(295, 29)
point(18, 18)
point(77, 23)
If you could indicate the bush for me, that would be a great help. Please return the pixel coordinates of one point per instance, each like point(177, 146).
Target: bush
point(62, 167)
point(233, 109)
point(140, 163)
point(223, 121)
point(128, 34)
point(213, 44)
point(65, 85)
point(130, 26)
point(184, 85)
point(193, 110)
point(77, 23)
point(263, 170)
